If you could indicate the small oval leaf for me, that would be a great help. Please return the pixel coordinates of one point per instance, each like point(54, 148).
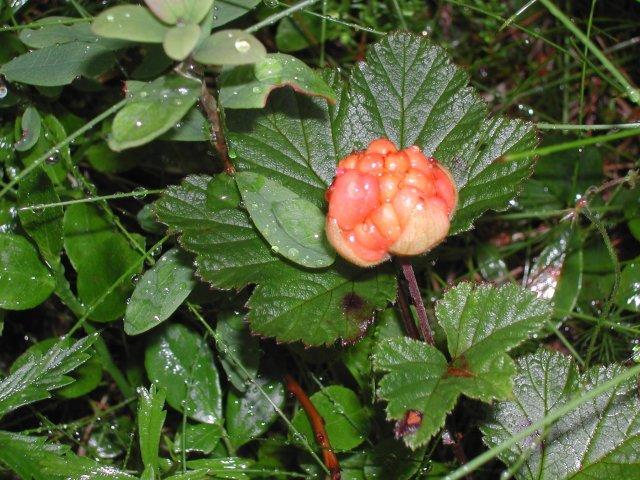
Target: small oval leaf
point(230, 47)
point(180, 11)
point(31, 124)
point(293, 226)
point(129, 22)
point(180, 40)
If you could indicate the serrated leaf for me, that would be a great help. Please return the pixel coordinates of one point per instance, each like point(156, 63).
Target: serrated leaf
point(345, 419)
point(249, 86)
point(24, 281)
point(85, 378)
point(159, 292)
point(231, 254)
point(33, 458)
point(180, 40)
point(151, 417)
point(481, 325)
point(58, 64)
point(101, 256)
point(43, 372)
point(44, 226)
point(153, 109)
point(293, 226)
point(599, 439)
point(176, 11)
point(236, 345)
point(129, 22)
point(249, 414)
point(229, 47)
point(180, 360)
point(31, 125)
point(409, 91)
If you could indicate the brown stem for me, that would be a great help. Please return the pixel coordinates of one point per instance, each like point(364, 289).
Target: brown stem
point(405, 312)
point(409, 274)
point(317, 424)
point(210, 106)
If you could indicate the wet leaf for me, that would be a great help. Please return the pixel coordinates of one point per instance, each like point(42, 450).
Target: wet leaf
point(101, 256)
point(628, 296)
point(31, 124)
point(24, 281)
point(293, 226)
point(249, 414)
point(236, 345)
point(151, 417)
point(179, 11)
point(249, 86)
point(225, 11)
point(153, 109)
point(129, 22)
point(50, 35)
point(392, 459)
point(181, 361)
point(201, 438)
point(345, 419)
point(599, 439)
point(229, 47)
point(159, 292)
point(481, 324)
point(43, 372)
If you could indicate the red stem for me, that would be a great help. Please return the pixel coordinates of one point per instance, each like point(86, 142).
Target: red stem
point(409, 274)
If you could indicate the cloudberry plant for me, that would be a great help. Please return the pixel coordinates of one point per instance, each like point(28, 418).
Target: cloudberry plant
point(387, 201)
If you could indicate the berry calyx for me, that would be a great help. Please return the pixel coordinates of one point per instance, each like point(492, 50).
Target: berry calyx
point(387, 201)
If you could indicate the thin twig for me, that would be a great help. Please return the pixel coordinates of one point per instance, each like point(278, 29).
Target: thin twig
point(409, 274)
point(210, 106)
point(317, 424)
point(405, 312)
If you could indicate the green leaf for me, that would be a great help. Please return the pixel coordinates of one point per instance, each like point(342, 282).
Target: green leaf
point(481, 325)
point(58, 34)
point(159, 292)
point(179, 11)
point(59, 64)
point(295, 140)
point(24, 281)
point(409, 91)
point(557, 272)
point(129, 22)
point(599, 439)
point(628, 296)
point(153, 109)
point(101, 256)
point(249, 414)
point(345, 419)
point(34, 458)
point(231, 468)
point(302, 31)
point(225, 11)
point(43, 372)
point(201, 438)
point(286, 303)
point(181, 361)
point(249, 86)
point(236, 345)
point(43, 226)
point(293, 226)
point(84, 379)
point(229, 47)
point(194, 127)
point(180, 40)
point(151, 417)
point(390, 458)
point(31, 124)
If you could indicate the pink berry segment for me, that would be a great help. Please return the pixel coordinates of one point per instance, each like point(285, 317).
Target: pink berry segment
point(387, 201)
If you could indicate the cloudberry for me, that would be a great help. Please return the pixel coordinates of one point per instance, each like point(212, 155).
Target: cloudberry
point(387, 201)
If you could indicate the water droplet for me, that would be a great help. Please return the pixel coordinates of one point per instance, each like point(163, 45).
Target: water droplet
point(139, 193)
point(293, 252)
point(4, 91)
point(275, 248)
point(242, 45)
point(256, 90)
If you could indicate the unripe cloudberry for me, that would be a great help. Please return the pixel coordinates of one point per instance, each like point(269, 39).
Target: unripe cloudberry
point(384, 201)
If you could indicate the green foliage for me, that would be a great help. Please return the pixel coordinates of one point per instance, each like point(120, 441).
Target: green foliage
point(347, 421)
point(230, 47)
point(159, 292)
point(151, 417)
point(179, 360)
point(43, 372)
point(481, 324)
point(238, 351)
point(599, 439)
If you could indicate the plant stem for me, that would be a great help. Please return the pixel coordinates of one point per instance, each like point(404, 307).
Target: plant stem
point(277, 16)
point(405, 312)
point(210, 106)
point(414, 290)
point(317, 424)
